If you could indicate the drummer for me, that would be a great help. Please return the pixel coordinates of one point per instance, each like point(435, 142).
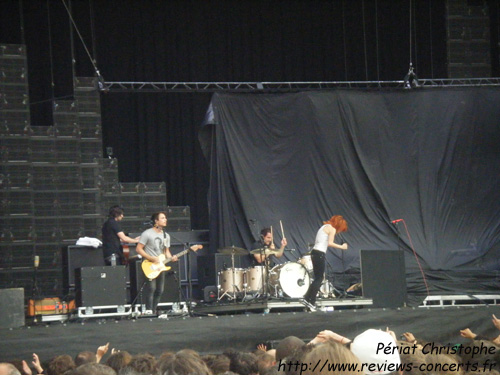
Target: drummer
point(266, 242)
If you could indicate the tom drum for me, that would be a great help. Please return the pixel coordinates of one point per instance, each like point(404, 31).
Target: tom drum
point(231, 280)
point(255, 276)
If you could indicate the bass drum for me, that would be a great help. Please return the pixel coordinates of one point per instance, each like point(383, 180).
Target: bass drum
point(289, 279)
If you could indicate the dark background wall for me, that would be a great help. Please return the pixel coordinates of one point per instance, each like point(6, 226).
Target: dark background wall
point(154, 136)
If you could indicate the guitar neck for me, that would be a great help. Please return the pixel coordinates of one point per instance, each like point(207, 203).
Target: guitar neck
point(180, 254)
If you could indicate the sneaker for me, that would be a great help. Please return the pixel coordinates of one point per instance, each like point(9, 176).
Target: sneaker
point(148, 312)
point(308, 304)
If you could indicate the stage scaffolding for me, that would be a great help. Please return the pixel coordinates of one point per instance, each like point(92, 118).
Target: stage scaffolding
point(288, 86)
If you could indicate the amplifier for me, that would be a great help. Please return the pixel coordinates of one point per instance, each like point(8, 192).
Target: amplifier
point(75, 257)
point(101, 286)
point(12, 308)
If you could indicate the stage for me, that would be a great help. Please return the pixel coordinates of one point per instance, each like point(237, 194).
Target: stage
point(239, 330)
point(278, 305)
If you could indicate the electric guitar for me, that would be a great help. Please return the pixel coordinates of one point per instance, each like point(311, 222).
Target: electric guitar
point(152, 270)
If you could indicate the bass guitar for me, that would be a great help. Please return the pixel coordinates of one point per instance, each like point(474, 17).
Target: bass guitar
point(152, 270)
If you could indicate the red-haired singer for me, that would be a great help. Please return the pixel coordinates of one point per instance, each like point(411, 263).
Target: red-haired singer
point(324, 239)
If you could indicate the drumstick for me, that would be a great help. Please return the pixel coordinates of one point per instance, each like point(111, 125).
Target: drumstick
point(282, 231)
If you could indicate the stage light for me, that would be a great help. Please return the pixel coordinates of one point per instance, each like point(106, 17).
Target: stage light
point(411, 79)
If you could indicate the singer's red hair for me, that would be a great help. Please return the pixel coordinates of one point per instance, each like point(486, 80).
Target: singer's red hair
point(338, 222)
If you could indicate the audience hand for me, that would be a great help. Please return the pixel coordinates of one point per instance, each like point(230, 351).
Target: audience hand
point(329, 335)
point(391, 333)
point(101, 351)
point(496, 321)
point(409, 337)
point(26, 369)
point(36, 364)
point(496, 341)
point(467, 333)
point(262, 347)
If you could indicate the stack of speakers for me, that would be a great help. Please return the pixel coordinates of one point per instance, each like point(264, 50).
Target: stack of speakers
point(55, 185)
point(140, 200)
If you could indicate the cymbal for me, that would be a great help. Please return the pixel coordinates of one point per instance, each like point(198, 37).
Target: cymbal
point(233, 250)
point(264, 251)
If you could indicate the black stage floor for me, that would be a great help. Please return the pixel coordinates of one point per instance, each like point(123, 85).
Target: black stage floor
point(213, 334)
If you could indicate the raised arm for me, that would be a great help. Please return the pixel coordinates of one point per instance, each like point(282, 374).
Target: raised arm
point(331, 231)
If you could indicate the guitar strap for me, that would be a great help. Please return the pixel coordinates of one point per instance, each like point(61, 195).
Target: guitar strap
point(164, 239)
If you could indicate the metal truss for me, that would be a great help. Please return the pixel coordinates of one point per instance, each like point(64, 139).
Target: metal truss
point(289, 86)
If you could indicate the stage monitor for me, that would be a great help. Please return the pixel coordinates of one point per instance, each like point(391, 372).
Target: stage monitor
point(383, 276)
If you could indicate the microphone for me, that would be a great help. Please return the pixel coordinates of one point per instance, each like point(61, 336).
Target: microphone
point(396, 221)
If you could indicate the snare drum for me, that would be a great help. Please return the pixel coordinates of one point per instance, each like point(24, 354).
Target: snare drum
point(290, 279)
point(231, 280)
point(254, 278)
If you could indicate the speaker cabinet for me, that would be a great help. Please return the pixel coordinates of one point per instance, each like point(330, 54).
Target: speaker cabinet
point(383, 276)
point(137, 279)
point(77, 257)
point(12, 308)
point(101, 286)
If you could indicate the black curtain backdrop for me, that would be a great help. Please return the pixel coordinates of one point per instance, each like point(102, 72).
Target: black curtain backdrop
point(430, 157)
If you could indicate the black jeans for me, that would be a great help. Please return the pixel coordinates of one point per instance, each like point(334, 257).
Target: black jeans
point(318, 262)
point(155, 289)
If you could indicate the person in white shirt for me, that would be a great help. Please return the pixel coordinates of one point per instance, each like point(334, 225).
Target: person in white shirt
point(325, 238)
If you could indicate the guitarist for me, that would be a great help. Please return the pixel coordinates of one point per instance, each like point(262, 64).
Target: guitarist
point(153, 243)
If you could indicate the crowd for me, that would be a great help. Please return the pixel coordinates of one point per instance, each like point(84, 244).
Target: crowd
point(371, 352)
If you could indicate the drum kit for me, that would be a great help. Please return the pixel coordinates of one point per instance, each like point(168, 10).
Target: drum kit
point(290, 279)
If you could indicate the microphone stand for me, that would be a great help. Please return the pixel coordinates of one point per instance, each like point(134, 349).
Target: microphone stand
point(35, 292)
point(180, 294)
point(341, 294)
point(138, 297)
point(190, 281)
point(395, 223)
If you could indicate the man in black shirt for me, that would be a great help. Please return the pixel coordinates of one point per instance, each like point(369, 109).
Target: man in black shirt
point(112, 234)
point(266, 242)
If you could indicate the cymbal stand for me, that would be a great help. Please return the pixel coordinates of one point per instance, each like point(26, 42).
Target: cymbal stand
point(265, 275)
point(234, 286)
